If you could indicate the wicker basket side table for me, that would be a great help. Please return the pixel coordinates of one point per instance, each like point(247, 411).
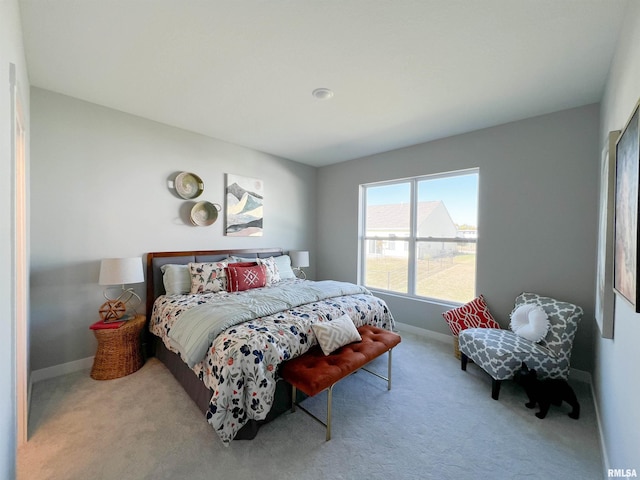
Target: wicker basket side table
point(119, 350)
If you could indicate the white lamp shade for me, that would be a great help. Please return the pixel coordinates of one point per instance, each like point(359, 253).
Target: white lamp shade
point(120, 271)
point(299, 259)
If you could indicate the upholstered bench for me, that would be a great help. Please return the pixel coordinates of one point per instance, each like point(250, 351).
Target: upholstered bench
point(314, 372)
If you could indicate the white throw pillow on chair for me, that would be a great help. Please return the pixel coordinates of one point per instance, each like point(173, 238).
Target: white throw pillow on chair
point(530, 321)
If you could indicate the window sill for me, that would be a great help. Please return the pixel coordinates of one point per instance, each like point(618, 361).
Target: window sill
point(431, 301)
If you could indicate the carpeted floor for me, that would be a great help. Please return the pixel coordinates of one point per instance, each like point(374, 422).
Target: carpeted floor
point(437, 422)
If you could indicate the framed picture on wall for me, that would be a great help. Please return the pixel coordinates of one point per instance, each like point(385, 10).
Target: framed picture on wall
point(625, 275)
point(605, 298)
point(244, 212)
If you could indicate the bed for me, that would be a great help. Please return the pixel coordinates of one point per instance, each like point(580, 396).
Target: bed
point(226, 348)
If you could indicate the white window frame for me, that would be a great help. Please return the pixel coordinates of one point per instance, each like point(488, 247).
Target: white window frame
point(412, 240)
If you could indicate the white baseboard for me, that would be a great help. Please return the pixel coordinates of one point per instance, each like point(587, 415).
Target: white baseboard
point(62, 369)
point(575, 374)
point(84, 363)
point(29, 389)
point(603, 444)
point(423, 332)
point(580, 376)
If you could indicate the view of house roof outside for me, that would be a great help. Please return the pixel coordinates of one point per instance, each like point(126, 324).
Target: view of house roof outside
point(436, 256)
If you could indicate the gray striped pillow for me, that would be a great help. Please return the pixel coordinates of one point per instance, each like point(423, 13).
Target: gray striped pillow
point(176, 279)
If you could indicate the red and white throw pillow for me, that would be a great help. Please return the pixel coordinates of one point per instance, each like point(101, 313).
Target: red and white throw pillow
point(242, 277)
point(474, 314)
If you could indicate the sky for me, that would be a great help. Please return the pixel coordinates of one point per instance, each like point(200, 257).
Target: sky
point(458, 193)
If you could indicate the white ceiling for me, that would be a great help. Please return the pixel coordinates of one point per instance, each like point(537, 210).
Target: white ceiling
point(403, 71)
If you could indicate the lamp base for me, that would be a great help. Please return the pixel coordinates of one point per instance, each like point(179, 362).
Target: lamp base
point(112, 311)
point(115, 309)
point(298, 272)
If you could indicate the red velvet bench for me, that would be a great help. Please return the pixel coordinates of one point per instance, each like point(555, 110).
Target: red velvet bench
point(314, 372)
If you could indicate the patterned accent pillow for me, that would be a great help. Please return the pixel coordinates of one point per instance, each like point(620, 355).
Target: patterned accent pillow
point(242, 277)
point(208, 277)
point(336, 333)
point(474, 314)
point(273, 276)
point(176, 279)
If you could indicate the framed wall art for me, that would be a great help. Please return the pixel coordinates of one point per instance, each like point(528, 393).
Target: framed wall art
point(244, 206)
point(605, 298)
point(625, 275)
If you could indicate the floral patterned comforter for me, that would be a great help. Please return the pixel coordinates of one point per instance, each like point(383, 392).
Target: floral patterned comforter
point(241, 364)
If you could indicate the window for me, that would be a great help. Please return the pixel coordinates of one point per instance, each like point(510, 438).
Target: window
point(419, 236)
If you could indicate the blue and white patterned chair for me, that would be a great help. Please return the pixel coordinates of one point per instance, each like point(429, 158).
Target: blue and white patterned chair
point(501, 352)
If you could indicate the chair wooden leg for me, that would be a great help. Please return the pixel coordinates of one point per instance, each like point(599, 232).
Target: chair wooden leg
point(463, 361)
point(495, 388)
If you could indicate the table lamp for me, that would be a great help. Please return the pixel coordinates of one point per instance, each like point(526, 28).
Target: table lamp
point(299, 260)
point(120, 271)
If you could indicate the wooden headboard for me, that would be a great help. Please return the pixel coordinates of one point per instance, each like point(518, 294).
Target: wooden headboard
point(155, 260)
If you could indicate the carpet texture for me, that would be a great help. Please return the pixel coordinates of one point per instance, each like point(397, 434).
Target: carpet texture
point(437, 422)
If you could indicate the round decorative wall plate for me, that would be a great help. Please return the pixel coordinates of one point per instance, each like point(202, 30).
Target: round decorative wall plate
point(188, 185)
point(204, 214)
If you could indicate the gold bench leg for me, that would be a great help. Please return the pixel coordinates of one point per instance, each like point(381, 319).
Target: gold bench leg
point(329, 397)
point(293, 398)
point(388, 377)
point(327, 423)
point(389, 371)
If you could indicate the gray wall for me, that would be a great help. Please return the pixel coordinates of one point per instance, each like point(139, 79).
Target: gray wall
point(11, 51)
point(99, 189)
point(538, 193)
point(617, 376)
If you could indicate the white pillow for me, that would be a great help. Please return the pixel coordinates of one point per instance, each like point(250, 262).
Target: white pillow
point(273, 275)
point(336, 333)
point(176, 279)
point(283, 262)
point(530, 321)
point(235, 259)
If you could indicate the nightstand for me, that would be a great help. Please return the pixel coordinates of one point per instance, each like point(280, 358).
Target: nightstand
point(119, 350)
